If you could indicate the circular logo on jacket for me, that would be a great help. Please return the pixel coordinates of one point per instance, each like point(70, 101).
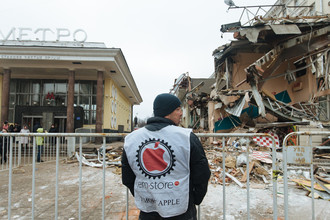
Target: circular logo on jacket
point(155, 158)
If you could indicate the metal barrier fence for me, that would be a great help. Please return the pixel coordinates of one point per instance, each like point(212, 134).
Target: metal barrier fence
point(20, 149)
point(58, 145)
point(301, 154)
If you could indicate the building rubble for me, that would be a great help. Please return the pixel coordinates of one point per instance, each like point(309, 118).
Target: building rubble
point(272, 78)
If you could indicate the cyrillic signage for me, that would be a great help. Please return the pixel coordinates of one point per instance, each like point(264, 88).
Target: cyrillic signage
point(43, 34)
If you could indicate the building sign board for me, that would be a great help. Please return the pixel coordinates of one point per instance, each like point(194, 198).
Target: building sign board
point(299, 154)
point(43, 34)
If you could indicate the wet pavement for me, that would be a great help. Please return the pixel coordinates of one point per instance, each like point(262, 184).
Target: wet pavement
point(68, 193)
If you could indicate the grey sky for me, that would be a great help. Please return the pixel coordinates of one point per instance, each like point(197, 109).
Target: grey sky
point(160, 39)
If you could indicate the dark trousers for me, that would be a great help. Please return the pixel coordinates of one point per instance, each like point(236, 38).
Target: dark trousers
point(40, 150)
point(3, 152)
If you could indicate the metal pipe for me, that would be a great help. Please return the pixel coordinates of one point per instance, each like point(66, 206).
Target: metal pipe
point(321, 6)
point(127, 198)
point(312, 181)
point(56, 186)
point(285, 168)
point(10, 176)
point(33, 174)
point(199, 212)
point(274, 181)
point(80, 175)
point(223, 179)
point(248, 180)
point(103, 182)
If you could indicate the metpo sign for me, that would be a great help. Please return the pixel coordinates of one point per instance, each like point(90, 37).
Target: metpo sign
point(43, 34)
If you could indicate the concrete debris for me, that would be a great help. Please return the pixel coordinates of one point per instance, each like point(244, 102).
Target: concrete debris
point(112, 157)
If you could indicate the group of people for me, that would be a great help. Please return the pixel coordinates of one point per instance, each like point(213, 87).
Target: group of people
point(24, 140)
point(6, 127)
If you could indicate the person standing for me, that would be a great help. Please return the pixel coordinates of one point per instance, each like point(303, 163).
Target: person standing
point(3, 146)
point(5, 125)
point(24, 141)
point(52, 129)
point(40, 144)
point(164, 165)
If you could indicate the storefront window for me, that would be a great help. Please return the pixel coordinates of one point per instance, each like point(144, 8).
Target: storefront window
point(48, 88)
point(23, 87)
point(35, 93)
point(12, 86)
point(93, 117)
point(76, 88)
point(23, 100)
point(12, 101)
point(85, 89)
point(60, 88)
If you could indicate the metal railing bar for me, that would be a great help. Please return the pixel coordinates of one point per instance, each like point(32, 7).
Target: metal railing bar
point(80, 174)
point(248, 179)
point(56, 187)
point(33, 175)
point(10, 177)
point(312, 182)
point(103, 183)
point(127, 200)
point(274, 181)
point(223, 179)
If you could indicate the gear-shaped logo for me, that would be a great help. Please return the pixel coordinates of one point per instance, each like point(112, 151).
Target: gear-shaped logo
point(155, 158)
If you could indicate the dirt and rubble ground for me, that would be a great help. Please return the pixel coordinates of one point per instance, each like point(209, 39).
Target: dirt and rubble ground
point(261, 196)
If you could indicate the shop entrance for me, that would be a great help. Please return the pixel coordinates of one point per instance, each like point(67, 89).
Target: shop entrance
point(60, 123)
point(31, 121)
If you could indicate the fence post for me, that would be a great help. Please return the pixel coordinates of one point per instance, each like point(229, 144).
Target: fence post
point(10, 174)
point(71, 146)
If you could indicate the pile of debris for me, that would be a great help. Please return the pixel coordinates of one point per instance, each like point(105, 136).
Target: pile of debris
point(112, 157)
point(259, 160)
point(259, 169)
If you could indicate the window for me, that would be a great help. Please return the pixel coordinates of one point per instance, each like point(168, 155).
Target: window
point(34, 93)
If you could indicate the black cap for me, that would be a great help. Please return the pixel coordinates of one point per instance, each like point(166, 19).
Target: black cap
point(165, 104)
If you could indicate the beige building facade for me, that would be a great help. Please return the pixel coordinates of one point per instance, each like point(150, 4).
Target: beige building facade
point(74, 85)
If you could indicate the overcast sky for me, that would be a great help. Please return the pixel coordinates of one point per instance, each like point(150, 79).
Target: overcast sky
point(160, 39)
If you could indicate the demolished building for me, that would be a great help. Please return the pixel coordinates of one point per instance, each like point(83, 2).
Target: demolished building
point(195, 96)
point(276, 71)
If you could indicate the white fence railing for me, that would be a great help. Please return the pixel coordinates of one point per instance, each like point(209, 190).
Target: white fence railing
point(62, 145)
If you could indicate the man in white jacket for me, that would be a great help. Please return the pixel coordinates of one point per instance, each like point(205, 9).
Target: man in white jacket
point(164, 165)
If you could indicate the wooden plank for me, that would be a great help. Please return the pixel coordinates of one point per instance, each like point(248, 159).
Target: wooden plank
point(322, 179)
point(244, 178)
point(322, 93)
point(235, 180)
point(323, 186)
point(308, 183)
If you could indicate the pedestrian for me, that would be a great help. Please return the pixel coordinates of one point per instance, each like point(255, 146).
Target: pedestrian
point(24, 141)
point(40, 144)
point(3, 146)
point(164, 165)
point(17, 129)
point(36, 126)
point(52, 129)
point(5, 125)
point(11, 128)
